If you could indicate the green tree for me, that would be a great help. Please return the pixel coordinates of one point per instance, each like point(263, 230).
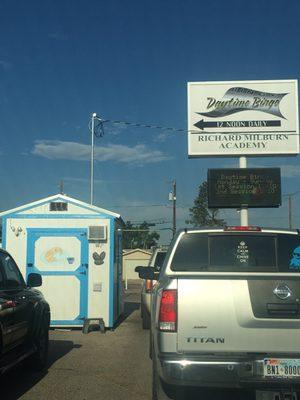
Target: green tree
point(139, 236)
point(200, 214)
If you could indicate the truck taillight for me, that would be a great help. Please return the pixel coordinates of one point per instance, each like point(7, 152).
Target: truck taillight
point(168, 311)
point(149, 285)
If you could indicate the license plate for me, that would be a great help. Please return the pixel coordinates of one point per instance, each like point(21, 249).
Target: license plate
point(282, 368)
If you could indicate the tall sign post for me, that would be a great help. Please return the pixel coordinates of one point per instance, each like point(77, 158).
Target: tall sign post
point(244, 210)
point(241, 119)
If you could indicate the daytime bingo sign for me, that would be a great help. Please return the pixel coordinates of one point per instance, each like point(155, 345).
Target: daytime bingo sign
point(243, 118)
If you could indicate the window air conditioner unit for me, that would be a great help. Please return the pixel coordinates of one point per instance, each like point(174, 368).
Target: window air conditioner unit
point(97, 233)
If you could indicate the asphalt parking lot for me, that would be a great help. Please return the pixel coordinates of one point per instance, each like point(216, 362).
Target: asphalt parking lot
point(114, 365)
point(110, 366)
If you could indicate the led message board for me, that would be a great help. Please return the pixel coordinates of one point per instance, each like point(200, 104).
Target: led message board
point(244, 187)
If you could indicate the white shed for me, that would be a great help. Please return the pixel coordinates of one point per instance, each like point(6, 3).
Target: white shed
point(77, 248)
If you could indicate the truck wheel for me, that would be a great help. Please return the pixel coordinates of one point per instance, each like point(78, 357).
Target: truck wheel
point(38, 359)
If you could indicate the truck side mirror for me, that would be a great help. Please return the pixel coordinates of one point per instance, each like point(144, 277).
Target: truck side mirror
point(147, 273)
point(138, 268)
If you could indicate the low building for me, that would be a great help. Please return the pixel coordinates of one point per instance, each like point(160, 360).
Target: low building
point(131, 259)
point(77, 248)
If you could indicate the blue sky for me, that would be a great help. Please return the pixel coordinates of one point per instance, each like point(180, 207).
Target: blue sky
point(129, 60)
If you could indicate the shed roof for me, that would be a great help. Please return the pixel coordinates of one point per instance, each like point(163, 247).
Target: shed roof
point(59, 197)
point(131, 251)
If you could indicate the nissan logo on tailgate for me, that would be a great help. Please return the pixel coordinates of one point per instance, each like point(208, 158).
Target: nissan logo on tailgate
point(282, 291)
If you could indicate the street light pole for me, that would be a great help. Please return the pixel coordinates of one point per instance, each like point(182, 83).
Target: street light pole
point(94, 116)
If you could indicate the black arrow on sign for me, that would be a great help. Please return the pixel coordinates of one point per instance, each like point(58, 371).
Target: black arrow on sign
point(241, 124)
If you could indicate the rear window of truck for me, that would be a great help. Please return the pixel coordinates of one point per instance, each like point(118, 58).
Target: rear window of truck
point(237, 253)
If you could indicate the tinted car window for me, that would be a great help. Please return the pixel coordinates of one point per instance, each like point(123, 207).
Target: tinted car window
point(242, 253)
point(228, 253)
point(12, 273)
point(191, 253)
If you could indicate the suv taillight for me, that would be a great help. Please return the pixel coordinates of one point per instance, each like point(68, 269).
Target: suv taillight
point(167, 321)
point(149, 285)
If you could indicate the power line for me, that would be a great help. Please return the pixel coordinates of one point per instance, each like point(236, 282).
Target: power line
point(99, 128)
point(142, 125)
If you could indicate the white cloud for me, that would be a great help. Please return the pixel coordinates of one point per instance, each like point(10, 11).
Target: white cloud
point(61, 150)
point(162, 137)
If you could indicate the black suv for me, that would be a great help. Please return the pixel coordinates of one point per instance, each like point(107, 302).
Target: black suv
point(24, 317)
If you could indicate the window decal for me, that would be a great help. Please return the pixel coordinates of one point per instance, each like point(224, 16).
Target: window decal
point(242, 253)
point(99, 258)
point(56, 255)
point(295, 260)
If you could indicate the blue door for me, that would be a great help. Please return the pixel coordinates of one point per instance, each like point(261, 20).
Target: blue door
point(61, 257)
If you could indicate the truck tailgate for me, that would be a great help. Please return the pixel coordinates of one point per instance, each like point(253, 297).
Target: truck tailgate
point(237, 315)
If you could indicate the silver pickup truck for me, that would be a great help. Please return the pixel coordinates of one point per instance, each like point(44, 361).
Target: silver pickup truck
point(226, 313)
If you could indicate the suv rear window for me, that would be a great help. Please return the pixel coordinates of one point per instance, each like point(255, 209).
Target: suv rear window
point(237, 253)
